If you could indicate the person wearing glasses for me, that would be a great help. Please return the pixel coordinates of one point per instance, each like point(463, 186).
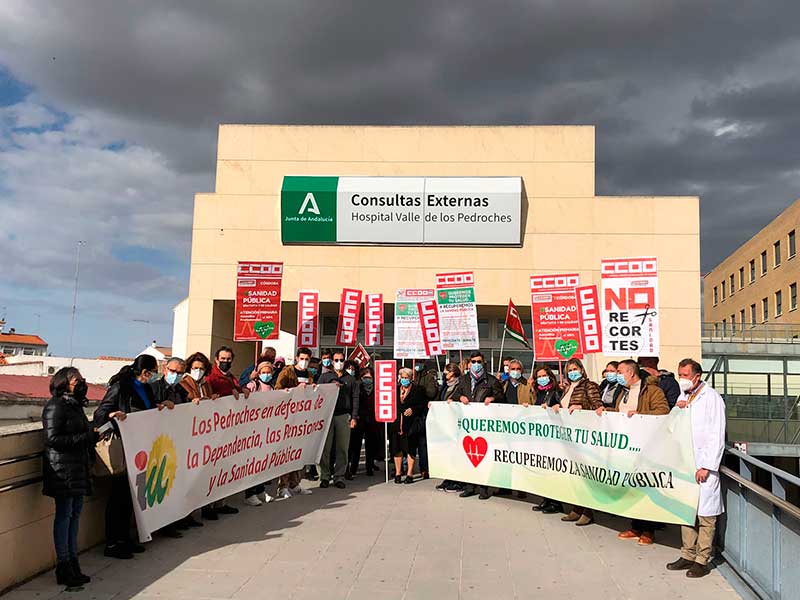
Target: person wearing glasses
point(477, 386)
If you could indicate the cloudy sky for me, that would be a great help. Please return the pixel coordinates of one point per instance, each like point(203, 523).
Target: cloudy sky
point(109, 110)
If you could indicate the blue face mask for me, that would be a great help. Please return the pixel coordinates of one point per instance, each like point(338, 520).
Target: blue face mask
point(265, 377)
point(611, 377)
point(153, 378)
point(621, 379)
point(405, 381)
point(574, 375)
point(172, 378)
point(476, 368)
point(515, 374)
point(312, 370)
point(543, 381)
point(418, 368)
point(326, 362)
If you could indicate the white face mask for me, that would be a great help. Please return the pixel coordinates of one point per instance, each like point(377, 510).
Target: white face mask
point(338, 365)
point(197, 374)
point(302, 364)
point(685, 384)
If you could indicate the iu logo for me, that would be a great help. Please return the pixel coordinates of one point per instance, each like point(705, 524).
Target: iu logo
point(309, 204)
point(156, 472)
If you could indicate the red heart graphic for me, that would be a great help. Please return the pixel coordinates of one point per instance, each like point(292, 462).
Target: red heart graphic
point(475, 449)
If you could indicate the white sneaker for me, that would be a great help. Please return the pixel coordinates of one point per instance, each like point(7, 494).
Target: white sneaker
point(253, 501)
point(286, 493)
point(300, 491)
point(265, 497)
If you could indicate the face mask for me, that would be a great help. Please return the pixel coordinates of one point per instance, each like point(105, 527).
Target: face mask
point(543, 381)
point(574, 375)
point(224, 366)
point(265, 377)
point(312, 370)
point(326, 362)
point(405, 382)
point(611, 377)
point(505, 368)
point(197, 374)
point(351, 372)
point(80, 391)
point(418, 368)
point(302, 364)
point(621, 379)
point(515, 374)
point(476, 368)
point(172, 378)
point(367, 383)
point(685, 384)
point(153, 378)
point(338, 365)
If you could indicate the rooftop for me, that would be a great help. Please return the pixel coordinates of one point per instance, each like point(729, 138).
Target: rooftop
point(21, 338)
point(28, 388)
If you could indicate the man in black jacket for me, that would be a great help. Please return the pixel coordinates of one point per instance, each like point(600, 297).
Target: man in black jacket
point(344, 419)
point(169, 386)
point(425, 378)
point(477, 386)
point(666, 380)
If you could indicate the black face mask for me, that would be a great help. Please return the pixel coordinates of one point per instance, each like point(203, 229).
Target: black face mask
point(367, 383)
point(80, 391)
point(224, 366)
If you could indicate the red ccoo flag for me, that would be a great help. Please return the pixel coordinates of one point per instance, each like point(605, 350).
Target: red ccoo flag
point(514, 325)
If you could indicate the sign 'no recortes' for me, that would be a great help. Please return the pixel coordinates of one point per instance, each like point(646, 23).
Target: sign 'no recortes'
point(475, 211)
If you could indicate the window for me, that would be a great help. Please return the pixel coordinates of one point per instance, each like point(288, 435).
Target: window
point(741, 318)
point(777, 248)
point(753, 271)
point(724, 327)
point(792, 244)
point(716, 296)
point(778, 303)
point(763, 263)
point(733, 324)
point(724, 291)
point(716, 329)
point(741, 277)
point(765, 309)
point(329, 325)
point(793, 296)
point(731, 284)
point(752, 315)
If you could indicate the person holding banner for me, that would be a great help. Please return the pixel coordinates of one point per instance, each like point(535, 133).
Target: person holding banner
point(546, 395)
point(609, 386)
point(639, 394)
point(477, 386)
point(516, 390)
point(347, 405)
point(196, 386)
point(447, 394)
point(262, 382)
point(425, 376)
point(580, 393)
point(412, 403)
point(708, 436)
point(127, 392)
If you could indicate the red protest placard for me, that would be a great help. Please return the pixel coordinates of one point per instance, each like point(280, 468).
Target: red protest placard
point(429, 321)
point(373, 319)
point(349, 313)
point(258, 301)
point(385, 391)
point(308, 319)
point(554, 313)
point(589, 317)
point(360, 356)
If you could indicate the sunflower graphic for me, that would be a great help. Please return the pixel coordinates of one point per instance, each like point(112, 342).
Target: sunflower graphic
point(160, 471)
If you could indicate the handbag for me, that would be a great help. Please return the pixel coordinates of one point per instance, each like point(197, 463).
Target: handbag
point(110, 457)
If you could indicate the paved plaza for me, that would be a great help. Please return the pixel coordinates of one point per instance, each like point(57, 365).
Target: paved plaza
point(377, 541)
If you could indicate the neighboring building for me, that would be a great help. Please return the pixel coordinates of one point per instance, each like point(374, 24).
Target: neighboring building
point(23, 397)
point(95, 370)
point(757, 283)
point(13, 343)
point(159, 352)
point(557, 225)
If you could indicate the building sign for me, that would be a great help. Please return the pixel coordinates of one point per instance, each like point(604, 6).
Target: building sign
point(630, 306)
point(455, 294)
point(589, 317)
point(373, 319)
point(462, 211)
point(408, 341)
point(257, 315)
point(349, 312)
point(385, 391)
point(308, 319)
point(554, 313)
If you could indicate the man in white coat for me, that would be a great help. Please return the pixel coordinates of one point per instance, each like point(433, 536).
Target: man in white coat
point(708, 435)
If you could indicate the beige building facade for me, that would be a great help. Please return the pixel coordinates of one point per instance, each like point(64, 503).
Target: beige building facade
point(756, 286)
point(565, 227)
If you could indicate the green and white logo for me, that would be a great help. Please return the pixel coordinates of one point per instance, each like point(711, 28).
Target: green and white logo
point(308, 209)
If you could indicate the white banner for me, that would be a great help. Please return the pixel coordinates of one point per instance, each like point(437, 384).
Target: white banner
point(408, 341)
point(458, 315)
point(630, 306)
point(179, 460)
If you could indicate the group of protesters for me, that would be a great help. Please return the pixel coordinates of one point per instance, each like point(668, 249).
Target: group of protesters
point(629, 387)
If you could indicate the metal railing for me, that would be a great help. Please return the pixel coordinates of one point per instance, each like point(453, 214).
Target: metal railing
point(750, 332)
point(760, 532)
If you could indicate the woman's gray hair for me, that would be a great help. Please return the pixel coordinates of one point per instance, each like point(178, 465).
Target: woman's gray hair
point(407, 372)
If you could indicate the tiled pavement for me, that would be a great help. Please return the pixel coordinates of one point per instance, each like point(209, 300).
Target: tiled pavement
point(379, 541)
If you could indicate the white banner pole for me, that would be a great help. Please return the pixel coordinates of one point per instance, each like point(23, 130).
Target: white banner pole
point(386, 449)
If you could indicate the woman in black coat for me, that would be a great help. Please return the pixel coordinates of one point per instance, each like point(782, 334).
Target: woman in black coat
point(547, 394)
point(409, 428)
point(127, 392)
point(69, 442)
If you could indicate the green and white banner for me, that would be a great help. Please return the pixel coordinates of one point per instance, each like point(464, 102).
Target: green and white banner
point(464, 211)
point(641, 467)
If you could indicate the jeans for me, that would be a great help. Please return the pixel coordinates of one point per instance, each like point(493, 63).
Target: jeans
point(119, 511)
point(339, 440)
point(65, 527)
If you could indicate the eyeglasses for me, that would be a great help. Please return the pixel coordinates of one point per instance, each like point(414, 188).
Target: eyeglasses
point(476, 362)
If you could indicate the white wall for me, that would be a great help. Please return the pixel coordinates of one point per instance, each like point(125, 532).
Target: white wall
point(180, 328)
point(94, 370)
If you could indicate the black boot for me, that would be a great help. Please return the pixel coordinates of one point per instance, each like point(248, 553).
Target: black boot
point(66, 576)
point(76, 569)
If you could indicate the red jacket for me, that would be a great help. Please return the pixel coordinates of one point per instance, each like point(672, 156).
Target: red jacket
point(222, 383)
